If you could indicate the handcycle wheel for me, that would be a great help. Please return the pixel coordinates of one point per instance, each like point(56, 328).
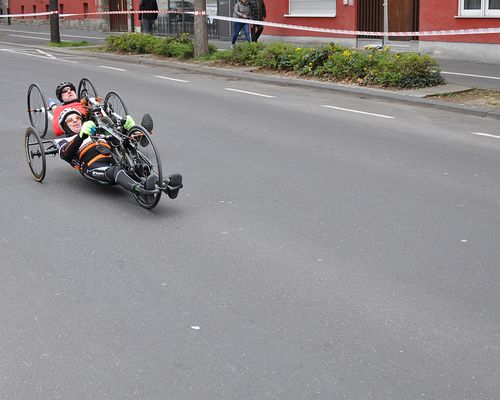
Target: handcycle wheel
point(149, 162)
point(37, 109)
point(86, 89)
point(115, 106)
point(35, 154)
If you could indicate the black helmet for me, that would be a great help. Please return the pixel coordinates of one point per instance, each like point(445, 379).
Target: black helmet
point(61, 86)
point(64, 115)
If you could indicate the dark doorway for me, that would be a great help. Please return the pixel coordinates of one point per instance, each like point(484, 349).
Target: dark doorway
point(118, 22)
point(403, 16)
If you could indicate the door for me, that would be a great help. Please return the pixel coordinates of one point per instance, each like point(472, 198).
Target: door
point(118, 22)
point(402, 15)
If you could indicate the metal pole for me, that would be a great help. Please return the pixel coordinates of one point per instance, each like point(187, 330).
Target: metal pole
point(386, 22)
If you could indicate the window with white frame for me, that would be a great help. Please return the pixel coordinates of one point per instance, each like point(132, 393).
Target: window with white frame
point(312, 8)
point(480, 8)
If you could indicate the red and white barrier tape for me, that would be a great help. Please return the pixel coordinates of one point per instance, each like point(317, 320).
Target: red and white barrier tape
point(27, 15)
point(452, 32)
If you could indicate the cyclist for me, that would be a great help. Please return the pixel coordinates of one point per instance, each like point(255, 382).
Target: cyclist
point(94, 159)
point(66, 94)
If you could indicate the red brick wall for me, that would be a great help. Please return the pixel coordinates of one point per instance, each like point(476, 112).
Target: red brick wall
point(441, 15)
point(276, 9)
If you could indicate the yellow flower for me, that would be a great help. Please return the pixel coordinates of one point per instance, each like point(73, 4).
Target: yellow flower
point(346, 53)
point(298, 49)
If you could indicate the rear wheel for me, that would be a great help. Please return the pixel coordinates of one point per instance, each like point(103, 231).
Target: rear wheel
point(147, 162)
point(35, 154)
point(86, 89)
point(37, 109)
point(115, 106)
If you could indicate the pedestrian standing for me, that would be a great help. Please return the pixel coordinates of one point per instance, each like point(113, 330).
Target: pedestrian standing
point(258, 13)
point(149, 18)
point(241, 10)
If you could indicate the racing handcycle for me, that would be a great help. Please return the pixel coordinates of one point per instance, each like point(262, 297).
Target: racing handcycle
point(132, 149)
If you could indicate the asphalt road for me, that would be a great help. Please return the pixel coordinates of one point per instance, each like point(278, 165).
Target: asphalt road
point(325, 247)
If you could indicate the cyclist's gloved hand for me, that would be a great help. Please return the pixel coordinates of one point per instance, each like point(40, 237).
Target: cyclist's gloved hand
point(129, 122)
point(52, 103)
point(88, 128)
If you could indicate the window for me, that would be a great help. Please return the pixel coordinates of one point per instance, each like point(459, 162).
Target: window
point(480, 8)
point(47, 10)
point(312, 8)
point(85, 10)
point(22, 11)
point(61, 8)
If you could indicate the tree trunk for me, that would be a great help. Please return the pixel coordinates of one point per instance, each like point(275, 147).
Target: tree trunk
point(200, 28)
point(55, 37)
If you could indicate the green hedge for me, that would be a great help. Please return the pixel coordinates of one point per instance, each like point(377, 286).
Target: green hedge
point(332, 62)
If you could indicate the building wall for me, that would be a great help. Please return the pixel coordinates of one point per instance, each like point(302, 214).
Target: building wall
point(69, 6)
point(277, 9)
point(442, 15)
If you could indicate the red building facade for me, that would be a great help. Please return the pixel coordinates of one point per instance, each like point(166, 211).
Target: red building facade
point(361, 15)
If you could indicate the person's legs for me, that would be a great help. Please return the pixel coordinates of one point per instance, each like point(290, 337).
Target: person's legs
point(258, 32)
point(236, 31)
point(245, 31)
point(147, 25)
point(253, 29)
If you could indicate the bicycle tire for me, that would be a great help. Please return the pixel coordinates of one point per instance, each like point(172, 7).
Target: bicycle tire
point(37, 110)
point(35, 154)
point(151, 163)
point(115, 106)
point(86, 89)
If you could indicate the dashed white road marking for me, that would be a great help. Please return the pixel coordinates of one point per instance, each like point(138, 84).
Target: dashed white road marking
point(358, 112)
point(251, 93)
point(486, 134)
point(171, 79)
point(471, 75)
point(113, 68)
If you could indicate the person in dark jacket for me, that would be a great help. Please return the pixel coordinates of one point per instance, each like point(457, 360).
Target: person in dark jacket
point(258, 13)
point(148, 19)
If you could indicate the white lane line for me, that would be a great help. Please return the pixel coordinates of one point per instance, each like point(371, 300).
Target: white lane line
point(113, 68)
point(486, 134)
point(48, 33)
point(171, 79)
point(251, 93)
point(68, 61)
point(45, 53)
point(34, 37)
point(358, 112)
point(471, 75)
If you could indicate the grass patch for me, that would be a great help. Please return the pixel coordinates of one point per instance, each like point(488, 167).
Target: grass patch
point(71, 44)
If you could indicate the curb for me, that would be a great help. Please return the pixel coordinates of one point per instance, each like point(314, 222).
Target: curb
point(251, 74)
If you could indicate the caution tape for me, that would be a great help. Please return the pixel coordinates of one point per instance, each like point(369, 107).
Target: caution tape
point(452, 32)
point(28, 15)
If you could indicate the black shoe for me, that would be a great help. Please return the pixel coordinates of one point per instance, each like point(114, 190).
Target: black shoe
point(147, 122)
point(151, 181)
point(173, 185)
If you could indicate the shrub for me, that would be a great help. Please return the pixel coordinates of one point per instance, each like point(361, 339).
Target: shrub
point(241, 54)
point(280, 56)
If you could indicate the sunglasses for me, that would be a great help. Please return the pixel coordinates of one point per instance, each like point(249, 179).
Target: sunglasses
point(72, 120)
point(67, 90)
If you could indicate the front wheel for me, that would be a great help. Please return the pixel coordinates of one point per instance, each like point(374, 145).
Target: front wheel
point(35, 154)
point(147, 162)
point(37, 109)
point(115, 106)
point(86, 89)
